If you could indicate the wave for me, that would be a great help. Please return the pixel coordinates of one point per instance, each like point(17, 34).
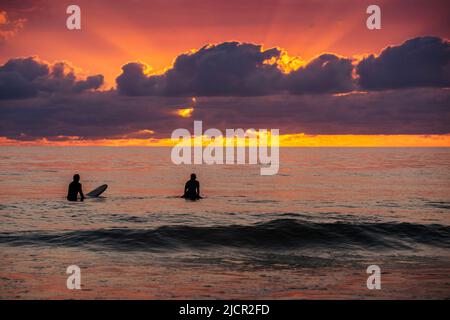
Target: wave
point(439, 204)
point(275, 234)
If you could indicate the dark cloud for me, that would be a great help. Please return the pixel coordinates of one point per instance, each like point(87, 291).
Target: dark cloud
point(327, 73)
point(410, 111)
point(134, 82)
point(15, 86)
point(89, 115)
point(230, 68)
point(419, 62)
point(236, 69)
point(28, 77)
point(96, 115)
point(29, 68)
point(243, 69)
point(91, 82)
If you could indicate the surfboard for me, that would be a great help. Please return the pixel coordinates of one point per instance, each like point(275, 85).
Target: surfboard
point(97, 191)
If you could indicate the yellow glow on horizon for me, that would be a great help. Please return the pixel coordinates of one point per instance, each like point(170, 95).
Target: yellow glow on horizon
point(288, 140)
point(304, 140)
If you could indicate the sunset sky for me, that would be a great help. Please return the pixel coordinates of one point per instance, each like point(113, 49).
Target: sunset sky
point(310, 68)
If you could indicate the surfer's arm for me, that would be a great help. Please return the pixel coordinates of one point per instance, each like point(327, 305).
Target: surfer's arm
point(81, 193)
point(198, 189)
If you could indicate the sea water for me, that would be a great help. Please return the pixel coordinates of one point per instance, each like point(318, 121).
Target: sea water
point(310, 231)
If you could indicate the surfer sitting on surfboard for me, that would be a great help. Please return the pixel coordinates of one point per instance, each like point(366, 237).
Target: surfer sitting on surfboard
point(74, 189)
point(192, 189)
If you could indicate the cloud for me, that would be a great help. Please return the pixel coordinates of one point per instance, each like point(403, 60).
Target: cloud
point(236, 69)
point(325, 74)
point(245, 69)
point(229, 68)
point(91, 115)
point(91, 82)
point(418, 62)
point(134, 82)
point(22, 78)
point(99, 115)
point(9, 27)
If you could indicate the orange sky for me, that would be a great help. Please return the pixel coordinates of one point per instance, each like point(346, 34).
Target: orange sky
point(292, 140)
point(116, 32)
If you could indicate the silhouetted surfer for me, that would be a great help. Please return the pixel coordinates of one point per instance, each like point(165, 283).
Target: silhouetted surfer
point(74, 189)
point(192, 189)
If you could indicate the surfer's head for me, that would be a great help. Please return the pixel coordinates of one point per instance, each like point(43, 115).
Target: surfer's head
point(193, 176)
point(76, 177)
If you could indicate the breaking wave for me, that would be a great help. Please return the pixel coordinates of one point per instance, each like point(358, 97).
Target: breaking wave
point(275, 234)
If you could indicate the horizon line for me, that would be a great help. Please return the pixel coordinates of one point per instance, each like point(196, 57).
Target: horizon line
point(285, 141)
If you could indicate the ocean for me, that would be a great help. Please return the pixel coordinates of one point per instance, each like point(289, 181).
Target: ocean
point(309, 232)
